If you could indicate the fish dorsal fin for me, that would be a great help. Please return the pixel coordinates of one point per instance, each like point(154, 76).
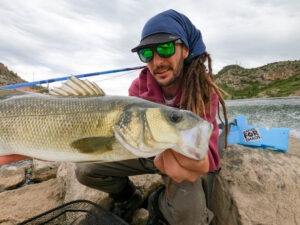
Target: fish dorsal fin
point(75, 87)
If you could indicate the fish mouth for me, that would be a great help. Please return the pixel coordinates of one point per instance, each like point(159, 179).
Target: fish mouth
point(196, 141)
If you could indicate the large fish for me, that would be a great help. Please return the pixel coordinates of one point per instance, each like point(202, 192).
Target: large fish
point(79, 125)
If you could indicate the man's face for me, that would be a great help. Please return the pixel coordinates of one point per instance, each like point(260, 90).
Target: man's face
point(166, 71)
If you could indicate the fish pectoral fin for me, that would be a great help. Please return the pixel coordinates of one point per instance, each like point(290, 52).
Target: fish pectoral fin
point(93, 144)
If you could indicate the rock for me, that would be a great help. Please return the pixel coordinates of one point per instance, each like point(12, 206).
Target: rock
point(140, 217)
point(6, 223)
point(12, 177)
point(42, 171)
point(147, 182)
point(8, 77)
point(294, 146)
point(73, 190)
point(257, 186)
point(29, 201)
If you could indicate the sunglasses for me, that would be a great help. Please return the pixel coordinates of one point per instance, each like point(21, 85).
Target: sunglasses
point(163, 50)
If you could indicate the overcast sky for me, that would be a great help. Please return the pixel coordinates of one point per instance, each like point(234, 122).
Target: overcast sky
point(47, 39)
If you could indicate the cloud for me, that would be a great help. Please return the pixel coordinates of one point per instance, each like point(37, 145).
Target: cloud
point(46, 39)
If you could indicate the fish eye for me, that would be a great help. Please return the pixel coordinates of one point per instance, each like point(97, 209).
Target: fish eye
point(175, 117)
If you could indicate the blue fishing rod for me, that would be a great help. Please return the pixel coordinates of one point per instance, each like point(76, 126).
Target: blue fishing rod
point(67, 77)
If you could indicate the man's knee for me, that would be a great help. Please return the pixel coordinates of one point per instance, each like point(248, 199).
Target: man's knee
point(84, 173)
point(90, 175)
point(186, 204)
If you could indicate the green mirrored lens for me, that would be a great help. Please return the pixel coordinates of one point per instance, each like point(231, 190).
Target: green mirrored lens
point(166, 50)
point(146, 54)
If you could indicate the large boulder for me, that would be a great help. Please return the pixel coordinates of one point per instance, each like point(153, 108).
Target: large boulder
point(257, 186)
point(26, 202)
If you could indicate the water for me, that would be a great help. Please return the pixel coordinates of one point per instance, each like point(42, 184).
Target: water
point(268, 112)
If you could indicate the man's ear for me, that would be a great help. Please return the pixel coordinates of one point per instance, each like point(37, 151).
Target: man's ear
point(185, 52)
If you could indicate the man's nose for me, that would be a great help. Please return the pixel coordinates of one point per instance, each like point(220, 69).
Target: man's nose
point(157, 60)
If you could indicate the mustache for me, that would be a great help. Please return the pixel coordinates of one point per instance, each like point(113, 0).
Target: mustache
point(162, 67)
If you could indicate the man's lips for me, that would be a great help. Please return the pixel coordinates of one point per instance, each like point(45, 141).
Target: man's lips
point(160, 70)
point(161, 73)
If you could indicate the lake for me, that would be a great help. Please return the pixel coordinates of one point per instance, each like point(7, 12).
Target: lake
point(268, 112)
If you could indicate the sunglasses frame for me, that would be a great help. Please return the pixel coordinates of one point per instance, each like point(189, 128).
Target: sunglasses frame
point(154, 48)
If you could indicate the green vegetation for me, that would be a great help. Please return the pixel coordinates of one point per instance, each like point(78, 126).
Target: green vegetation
point(226, 69)
point(284, 87)
point(278, 79)
point(39, 88)
point(248, 92)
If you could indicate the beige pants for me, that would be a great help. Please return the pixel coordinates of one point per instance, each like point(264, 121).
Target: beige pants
point(186, 205)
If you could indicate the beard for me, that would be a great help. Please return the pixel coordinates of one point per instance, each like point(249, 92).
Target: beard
point(177, 72)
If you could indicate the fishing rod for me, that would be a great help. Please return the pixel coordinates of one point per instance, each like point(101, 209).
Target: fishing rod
point(67, 77)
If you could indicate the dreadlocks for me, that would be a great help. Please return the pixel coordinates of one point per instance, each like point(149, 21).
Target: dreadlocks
point(198, 85)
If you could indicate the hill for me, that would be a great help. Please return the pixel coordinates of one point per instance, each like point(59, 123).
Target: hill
point(8, 77)
point(277, 79)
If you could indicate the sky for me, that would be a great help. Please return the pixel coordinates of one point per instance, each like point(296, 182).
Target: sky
point(48, 39)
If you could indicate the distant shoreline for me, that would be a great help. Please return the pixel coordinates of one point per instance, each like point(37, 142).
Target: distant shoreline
point(251, 99)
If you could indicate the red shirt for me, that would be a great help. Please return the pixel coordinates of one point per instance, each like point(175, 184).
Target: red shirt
point(146, 87)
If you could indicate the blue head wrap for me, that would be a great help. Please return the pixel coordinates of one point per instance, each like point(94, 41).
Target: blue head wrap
point(175, 23)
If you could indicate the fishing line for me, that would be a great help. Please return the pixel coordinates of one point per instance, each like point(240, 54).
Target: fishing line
point(125, 74)
point(30, 84)
point(68, 77)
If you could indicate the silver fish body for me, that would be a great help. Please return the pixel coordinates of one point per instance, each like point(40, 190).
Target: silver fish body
point(106, 128)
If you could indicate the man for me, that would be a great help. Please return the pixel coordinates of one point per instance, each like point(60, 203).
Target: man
point(175, 75)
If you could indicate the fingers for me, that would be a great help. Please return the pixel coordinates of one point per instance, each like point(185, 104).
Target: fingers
point(198, 166)
point(168, 164)
point(159, 163)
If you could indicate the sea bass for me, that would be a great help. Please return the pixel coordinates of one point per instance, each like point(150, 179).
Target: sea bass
point(78, 125)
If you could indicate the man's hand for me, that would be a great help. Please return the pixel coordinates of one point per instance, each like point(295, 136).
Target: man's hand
point(11, 158)
point(179, 167)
